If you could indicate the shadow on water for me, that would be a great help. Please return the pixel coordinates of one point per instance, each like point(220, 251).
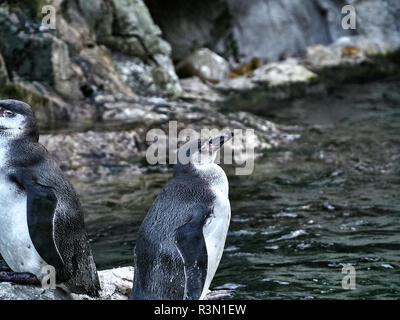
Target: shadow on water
point(328, 199)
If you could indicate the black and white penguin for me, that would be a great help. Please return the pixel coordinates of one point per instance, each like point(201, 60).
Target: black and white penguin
point(41, 219)
point(182, 238)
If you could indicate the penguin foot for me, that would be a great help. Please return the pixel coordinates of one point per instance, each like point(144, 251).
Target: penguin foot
point(22, 278)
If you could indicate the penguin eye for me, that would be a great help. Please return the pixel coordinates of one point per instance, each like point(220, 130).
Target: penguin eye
point(9, 113)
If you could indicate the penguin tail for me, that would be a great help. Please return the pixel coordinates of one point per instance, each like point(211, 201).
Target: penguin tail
point(85, 279)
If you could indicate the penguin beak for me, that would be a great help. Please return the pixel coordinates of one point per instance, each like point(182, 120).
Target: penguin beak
point(218, 141)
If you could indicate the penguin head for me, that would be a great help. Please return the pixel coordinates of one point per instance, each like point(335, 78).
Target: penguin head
point(200, 153)
point(17, 120)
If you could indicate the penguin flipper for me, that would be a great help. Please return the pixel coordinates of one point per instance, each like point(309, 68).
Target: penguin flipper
point(191, 244)
point(41, 206)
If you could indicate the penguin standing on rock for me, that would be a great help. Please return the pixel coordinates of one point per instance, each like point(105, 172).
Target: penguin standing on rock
point(41, 219)
point(182, 238)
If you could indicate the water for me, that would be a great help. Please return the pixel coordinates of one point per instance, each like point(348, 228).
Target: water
point(328, 199)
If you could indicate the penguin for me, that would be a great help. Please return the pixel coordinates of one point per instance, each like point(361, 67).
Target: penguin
point(181, 240)
point(41, 219)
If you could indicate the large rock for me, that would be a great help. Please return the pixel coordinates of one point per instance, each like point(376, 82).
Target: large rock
point(3, 72)
point(268, 85)
point(352, 59)
point(57, 72)
point(269, 29)
point(204, 64)
point(245, 29)
point(91, 154)
point(127, 28)
point(60, 72)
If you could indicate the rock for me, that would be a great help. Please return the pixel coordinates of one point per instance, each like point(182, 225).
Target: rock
point(267, 86)
point(148, 79)
point(269, 30)
point(195, 89)
point(351, 59)
point(142, 56)
point(62, 71)
point(241, 30)
point(46, 73)
point(67, 78)
point(116, 284)
point(283, 74)
point(237, 84)
point(93, 154)
point(275, 74)
point(379, 21)
point(3, 72)
point(9, 291)
point(119, 144)
point(204, 64)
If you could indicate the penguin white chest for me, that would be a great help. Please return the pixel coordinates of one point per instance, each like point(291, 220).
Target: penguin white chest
point(215, 231)
point(16, 246)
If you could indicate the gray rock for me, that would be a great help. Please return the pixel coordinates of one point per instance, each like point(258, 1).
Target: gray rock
point(127, 28)
point(204, 64)
point(116, 284)
point(268, 84)
point(148, 78)
point(351, 59)
point(268, 29)
point(49, 69)
point(379, 21)
point(3, 72)
point(9, 291)
point(93, 154)
point(346, 51)
point(283, 73)
point(196, 89)
point(242, 30)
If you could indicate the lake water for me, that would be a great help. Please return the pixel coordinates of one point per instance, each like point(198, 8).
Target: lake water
point(328, 199)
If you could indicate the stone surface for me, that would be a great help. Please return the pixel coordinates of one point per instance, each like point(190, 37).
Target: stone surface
point(283, 73)
point(270, 30)
point(9, 291)
point(204, 64)
point(196, 89)
point(69, 66)
point(352, 59)
point(281, 80)
point(116, 284)
point(127, 28)
point(93, 154)
point(241, 30)
point(120, 144)
point(3, 72)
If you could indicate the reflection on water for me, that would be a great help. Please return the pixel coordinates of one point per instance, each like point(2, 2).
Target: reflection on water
point(328, 199)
